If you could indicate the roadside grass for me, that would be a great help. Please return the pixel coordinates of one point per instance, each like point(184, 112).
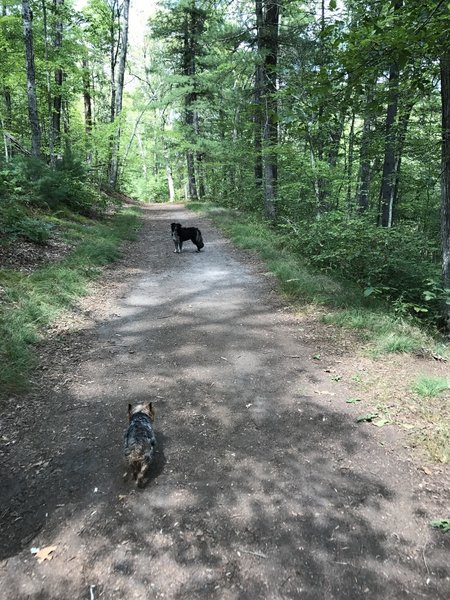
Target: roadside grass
point(374, 321)
point(430, 387)
point(419, 408)
point(30, 302)
point(430, 402)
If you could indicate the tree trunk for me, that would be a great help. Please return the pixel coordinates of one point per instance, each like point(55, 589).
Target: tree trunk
point(51, 143)
point(193, 26)
point(268, 43)
point(113, 53)
point(87, 98)
point(88, 118)
point(258, 115)
point(170, 181)
point(350, 163)
point(445, 181)
point(387, 192)
point(57, 98)
point(31, 80)
point(7, 122)
point(192, 185)
point(403, 123)
point(114, 168)
point(362, 198)
point(388, 178)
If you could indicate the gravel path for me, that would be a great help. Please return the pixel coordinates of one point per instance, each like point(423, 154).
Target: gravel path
point(264, 486)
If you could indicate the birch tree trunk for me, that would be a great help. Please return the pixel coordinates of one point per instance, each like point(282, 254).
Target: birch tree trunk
point(445, 181)
point(31, 80)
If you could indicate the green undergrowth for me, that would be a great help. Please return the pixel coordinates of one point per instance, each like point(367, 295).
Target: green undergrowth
point(346, 304)
point(30, 302)
point(430, 387)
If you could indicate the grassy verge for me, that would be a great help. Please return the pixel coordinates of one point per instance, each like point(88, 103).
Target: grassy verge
point(393, 389)
point(29, 302)
point(346, 306)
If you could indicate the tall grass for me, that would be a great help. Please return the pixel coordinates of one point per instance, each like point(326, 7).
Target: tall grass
point(347, 306)
point(31, 302)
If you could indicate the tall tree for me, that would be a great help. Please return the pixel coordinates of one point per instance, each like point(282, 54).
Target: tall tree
point(57, 45)
point(267, 22)
point(31, 79)
point(445, 181)
point(388, 181)
point(118, 94)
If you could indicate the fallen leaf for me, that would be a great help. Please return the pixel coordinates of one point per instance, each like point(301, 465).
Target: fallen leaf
point(45, 553)
point(380, 422)
point(324, 392)
point(426, 470)
point(353, 400)
point(368, 417)
point(442, 524)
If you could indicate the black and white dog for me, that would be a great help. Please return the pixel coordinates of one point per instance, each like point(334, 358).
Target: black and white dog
point(182, 234)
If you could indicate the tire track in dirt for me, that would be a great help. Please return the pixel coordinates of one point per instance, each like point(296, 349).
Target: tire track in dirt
point(264, 486)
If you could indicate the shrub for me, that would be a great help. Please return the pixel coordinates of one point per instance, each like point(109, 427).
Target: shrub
point(397, 263)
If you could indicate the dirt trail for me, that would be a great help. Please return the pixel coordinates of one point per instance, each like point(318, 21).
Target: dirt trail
point(264, 485)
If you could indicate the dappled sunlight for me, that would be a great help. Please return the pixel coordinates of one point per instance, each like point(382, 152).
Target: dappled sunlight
point(263, 485)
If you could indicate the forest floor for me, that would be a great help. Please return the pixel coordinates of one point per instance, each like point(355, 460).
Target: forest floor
point(264, 485)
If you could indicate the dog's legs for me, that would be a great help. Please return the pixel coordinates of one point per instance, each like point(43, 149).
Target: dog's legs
point(144, 468)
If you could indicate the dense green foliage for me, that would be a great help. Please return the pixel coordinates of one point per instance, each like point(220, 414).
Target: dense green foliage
point(399, 263)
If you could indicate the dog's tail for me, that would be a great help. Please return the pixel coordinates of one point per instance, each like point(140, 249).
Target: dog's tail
point(199, 240)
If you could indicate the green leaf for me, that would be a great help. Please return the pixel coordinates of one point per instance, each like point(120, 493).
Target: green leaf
point(367, 418)
point(443, 524)
point(332, 5)
point(429, 295)
point(353, 400)
point(420, 309)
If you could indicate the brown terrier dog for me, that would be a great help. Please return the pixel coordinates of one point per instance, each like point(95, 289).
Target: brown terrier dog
point(140, 440)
